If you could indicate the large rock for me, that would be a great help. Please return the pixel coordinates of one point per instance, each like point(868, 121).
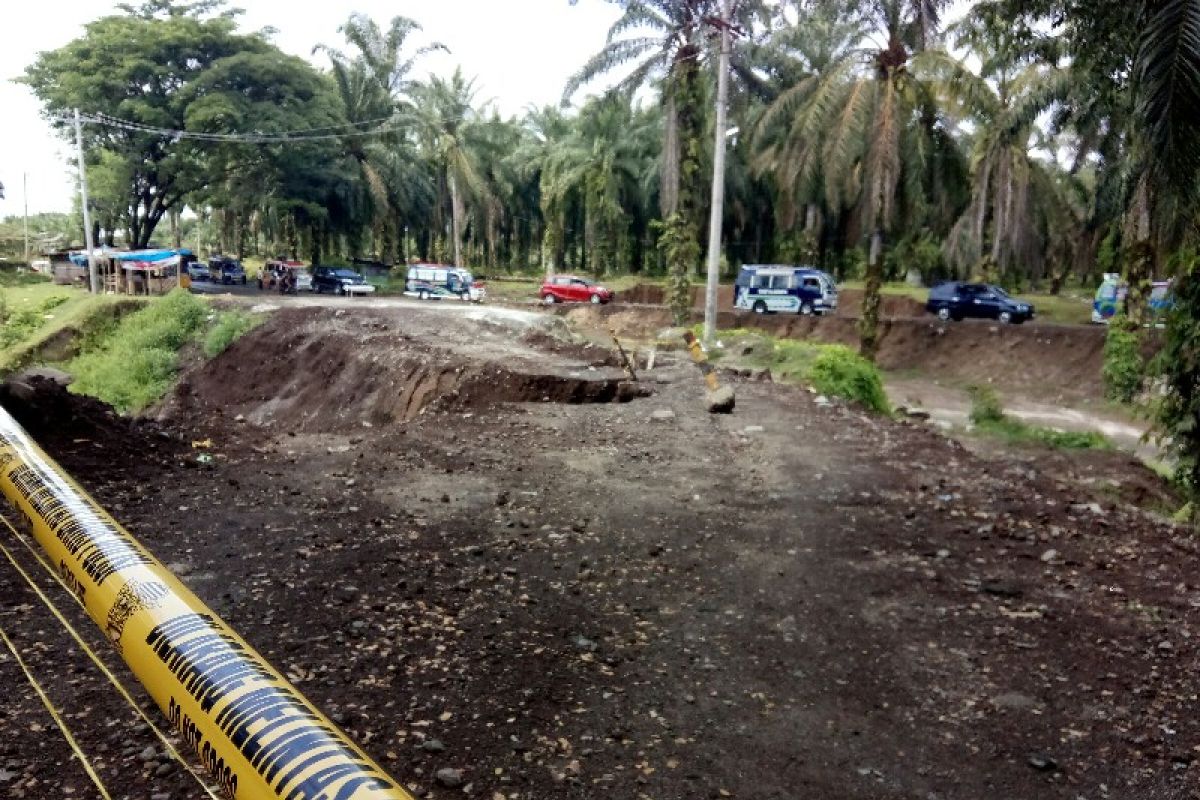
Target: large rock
point(721, 401)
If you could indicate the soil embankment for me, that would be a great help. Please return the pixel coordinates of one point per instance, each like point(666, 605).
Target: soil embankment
point(1056, 362)
point(325, 370)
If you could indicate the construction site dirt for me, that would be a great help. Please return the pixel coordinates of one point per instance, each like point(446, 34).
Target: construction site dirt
point(483, 557)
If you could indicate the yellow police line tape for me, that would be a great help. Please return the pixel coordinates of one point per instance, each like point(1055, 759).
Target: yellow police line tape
point(57, 717)
point(87, 649)
point(254, 733)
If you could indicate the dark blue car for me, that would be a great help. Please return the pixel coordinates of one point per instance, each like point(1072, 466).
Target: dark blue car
point(958, 301)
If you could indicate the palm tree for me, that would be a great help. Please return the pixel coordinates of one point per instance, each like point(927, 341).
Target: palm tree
point(869, 126)
point(547, 130)
point(601, 163)
point(373, 88)
point(666, 41)
point(1018, 192)
point(450, 133)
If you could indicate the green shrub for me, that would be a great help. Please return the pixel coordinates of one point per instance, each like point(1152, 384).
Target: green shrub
point(1018, 432)
point(231, 326)
point(1123, 366)
point(135, 365)
point(840, 372)
point(985, 405)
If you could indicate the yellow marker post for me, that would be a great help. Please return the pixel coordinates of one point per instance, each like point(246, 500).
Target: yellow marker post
point(254, 732)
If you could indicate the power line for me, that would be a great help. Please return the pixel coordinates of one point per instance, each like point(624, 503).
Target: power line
point(299, 135)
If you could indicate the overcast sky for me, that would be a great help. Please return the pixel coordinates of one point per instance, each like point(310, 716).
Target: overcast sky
point(520, 52)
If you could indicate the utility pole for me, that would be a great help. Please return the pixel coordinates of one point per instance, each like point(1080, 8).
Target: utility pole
point(25, 194)
point(717, 212)
point(93, 277)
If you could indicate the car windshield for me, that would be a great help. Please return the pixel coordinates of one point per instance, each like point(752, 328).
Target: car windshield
point(345, 273)
point(999, 291)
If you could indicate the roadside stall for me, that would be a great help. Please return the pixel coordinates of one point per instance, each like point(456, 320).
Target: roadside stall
point(134, 272)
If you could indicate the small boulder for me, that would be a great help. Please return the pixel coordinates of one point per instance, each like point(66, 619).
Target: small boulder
point(721, 401)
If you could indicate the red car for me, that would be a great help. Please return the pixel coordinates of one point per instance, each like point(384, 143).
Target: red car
point(570, 289)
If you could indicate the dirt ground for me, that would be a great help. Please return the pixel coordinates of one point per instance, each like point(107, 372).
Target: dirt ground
point(460, 545)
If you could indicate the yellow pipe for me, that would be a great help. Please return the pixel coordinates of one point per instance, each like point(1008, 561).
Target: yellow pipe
point(254, 732)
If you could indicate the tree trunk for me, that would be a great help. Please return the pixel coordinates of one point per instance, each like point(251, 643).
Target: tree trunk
point(869, 324)
point(457, 210)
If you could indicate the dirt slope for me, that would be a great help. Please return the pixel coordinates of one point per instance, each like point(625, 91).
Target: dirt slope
point(580, 600)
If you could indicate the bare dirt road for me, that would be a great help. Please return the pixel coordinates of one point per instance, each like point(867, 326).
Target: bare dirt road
point(460, 546)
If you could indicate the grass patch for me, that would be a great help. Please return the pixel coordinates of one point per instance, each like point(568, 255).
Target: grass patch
point(987, 414)
point(833, 370)
point(229, 327)
point(135, 365)
point(17, 279)
point(33, 310)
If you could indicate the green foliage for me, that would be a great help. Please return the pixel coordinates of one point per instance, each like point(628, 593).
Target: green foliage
point(988, 417)
point(230, 326)
point(922, 253)
point(135, 366)
point(183, 67)
point(17, 325)
point(682, 252)
point(985, 405)
point(1017, 432)
point(1177, 415)
point(1124, 368)
point(831, 369)
point(838, 371)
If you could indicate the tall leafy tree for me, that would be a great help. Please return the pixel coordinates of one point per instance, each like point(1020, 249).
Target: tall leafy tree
point(171, 66)
point(449, 131)
point(870, 126)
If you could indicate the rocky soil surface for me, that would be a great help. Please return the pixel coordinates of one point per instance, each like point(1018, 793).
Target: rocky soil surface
point(558, 596)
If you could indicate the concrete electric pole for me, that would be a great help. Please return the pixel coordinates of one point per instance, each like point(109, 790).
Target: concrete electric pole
point(93, 277)
point(717, 212)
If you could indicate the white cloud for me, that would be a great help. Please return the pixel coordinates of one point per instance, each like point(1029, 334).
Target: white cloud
point(520, 52)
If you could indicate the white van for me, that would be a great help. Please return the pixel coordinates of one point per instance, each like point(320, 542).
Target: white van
point(437, 281)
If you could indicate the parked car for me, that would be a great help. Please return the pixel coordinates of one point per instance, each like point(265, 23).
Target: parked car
point(274, 270)
point(958, 301)
point(426, 281)
point(304, 279)
point(781, 288)
point(198, 270)
point(572, 289)
point(227, 271)
point(339, 280)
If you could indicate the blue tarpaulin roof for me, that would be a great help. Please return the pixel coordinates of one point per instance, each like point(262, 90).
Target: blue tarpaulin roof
point(80, 258)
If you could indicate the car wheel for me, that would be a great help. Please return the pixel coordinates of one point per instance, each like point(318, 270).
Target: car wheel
point(549, 299)
point(806, 308)
point(341, 291)
point(596, 300)
point(1005, 318)
point(944, 314)
point(760, 307)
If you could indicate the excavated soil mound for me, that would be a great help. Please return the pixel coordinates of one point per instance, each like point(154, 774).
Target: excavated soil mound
point(89, 432)
point(316, 370)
